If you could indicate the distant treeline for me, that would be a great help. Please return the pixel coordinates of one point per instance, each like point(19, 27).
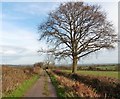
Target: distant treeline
point(99, 67)
point(96, 67)
point(113, 67)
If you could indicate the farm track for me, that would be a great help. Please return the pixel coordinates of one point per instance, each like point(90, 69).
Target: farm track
point(39, 89)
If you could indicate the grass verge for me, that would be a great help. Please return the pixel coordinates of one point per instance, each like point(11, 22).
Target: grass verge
point(46, 91)
point(59, 90)
point(107, 87)
point(20, 91)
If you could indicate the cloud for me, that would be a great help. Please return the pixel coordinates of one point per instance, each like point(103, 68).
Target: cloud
point(18, 41)
point(111, 10)
point(10, 53)
point(18, 55)
point(30, 8)
point(19, 44)
point(13, 54)
point(12, 17)
point(59, 0)
point(37, 9)
point(16, 35)
point(103, 56)
point(8, 50)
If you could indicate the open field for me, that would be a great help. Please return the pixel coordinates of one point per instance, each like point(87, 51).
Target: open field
point(113, 74)
point(107, 67)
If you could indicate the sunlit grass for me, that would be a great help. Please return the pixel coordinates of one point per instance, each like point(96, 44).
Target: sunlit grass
point(113, 74)
point(46, 91)
point(60, 91)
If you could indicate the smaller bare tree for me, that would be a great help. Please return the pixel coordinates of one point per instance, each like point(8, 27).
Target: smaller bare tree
point(49, 60)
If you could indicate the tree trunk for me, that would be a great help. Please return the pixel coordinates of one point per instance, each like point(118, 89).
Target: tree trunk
point(74, 65)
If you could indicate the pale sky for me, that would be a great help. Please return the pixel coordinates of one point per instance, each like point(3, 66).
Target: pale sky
point(19, 38)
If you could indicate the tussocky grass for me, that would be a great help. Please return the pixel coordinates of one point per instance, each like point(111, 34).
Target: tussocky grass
point(20, 91)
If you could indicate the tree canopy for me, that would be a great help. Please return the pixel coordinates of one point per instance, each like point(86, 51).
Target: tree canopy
point(77, 29)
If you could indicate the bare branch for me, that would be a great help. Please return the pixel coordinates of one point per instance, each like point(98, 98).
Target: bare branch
point(77, 29)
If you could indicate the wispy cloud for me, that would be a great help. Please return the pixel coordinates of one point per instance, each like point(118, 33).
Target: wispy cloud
point(103, 56)
point(29, 8)
point(19, 55)
point(19, 36)
point(11, 54)
point(18, 43)
point(36, 8)
point(19, 32)
point(59, 0)
point(8, 50)
point(12, 17)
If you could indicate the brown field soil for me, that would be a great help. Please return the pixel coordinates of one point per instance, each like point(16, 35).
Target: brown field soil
point(12, 77)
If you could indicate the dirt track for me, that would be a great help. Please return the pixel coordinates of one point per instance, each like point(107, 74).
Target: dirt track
point(39, 90)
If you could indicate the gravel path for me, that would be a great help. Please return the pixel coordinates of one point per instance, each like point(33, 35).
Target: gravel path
point(42, 88)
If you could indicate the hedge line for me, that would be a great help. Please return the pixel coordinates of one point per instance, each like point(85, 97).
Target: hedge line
point(107, 87)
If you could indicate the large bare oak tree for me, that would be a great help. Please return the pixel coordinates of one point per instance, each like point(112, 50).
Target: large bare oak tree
point(77, 29)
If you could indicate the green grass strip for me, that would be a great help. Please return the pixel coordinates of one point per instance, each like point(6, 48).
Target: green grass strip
point(20, 91)
point(46, 91)
point(113, 74)
point(59, 90)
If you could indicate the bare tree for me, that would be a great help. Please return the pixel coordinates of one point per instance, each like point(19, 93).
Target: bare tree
point(77, 29)
point(49, 59)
